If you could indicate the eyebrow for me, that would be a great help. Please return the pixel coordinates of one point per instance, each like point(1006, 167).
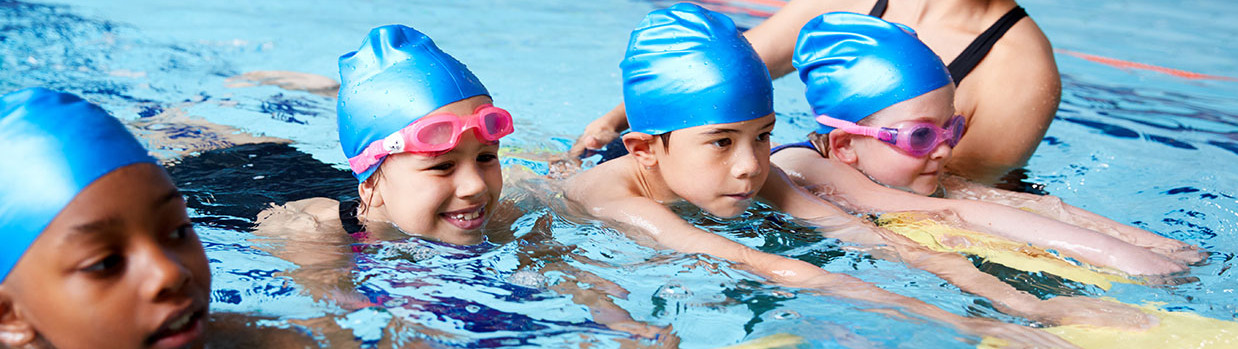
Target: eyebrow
point(111, 222)
point(168, 197)
point(718, 131)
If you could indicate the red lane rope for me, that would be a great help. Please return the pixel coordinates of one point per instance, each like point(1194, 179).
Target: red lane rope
point(724, 6)
point(1117, 63)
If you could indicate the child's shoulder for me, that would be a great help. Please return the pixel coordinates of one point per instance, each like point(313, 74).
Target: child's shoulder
point(313, 219)
point(610, 180)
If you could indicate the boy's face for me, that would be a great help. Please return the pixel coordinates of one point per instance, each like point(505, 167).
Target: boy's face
point(889, 165)
point(119, 267)
point(719, 168)
point(447, 197)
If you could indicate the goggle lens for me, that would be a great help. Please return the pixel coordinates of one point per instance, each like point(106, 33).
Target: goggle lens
point(922, 139)
point(956, 128)
point(438, 133)
point(496, 125)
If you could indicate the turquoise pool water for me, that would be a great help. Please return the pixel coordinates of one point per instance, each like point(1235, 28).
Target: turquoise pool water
point(1156, 150)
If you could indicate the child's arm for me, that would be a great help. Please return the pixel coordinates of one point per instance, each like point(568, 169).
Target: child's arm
point(951, 267)
point(308, 233)
point(602, 306)
point(851, 189)
point(668, 229)
point(1053, 207)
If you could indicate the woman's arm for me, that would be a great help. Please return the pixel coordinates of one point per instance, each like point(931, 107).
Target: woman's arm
point(1009, 100)
point(774, 39)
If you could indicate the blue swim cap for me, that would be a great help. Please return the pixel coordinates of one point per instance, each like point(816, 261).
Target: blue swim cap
point(52, 145)
point(687, 66)
point(855, 65)
point(396, 77)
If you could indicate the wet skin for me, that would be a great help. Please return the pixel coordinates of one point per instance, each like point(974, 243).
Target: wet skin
point(446, 197)
point(886, 163)
point(120, 266)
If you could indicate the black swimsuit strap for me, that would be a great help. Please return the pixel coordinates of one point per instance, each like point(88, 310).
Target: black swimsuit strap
point(971, 56)
point(348, 216)
point(879, 9)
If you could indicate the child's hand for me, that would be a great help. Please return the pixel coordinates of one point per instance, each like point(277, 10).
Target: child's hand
point(1094, 312)
point(600, 132)
point(1177, 251)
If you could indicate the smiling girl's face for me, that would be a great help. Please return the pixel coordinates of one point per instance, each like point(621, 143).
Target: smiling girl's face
point(446, 197)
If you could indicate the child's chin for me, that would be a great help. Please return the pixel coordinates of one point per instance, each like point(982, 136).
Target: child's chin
point(726, 212)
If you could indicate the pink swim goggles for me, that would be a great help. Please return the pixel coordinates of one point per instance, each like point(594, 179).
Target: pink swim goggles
point(917, 140)
point(436, 134)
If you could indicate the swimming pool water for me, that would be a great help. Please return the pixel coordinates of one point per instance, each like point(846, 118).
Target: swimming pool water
point(1139, 146)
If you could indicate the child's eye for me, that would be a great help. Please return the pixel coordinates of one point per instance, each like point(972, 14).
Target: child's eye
point(446, 166)
point(764, 136)
point(487, 157)
point(722, 143)
point(105, 266)
point(181, 232)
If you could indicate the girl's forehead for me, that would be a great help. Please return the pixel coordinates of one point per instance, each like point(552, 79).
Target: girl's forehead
point(930, 107)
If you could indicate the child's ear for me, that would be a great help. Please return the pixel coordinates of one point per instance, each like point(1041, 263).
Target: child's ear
point(371, 197)
point(15, 332)
point(640, 145)
point(842, 147)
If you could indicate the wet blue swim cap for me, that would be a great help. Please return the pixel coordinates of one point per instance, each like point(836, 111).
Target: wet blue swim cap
point(396, 77)
point(855, 65)
point(687, 66)
point(52, 145)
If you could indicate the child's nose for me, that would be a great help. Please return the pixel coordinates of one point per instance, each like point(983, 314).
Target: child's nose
point(166, 275)
point(746, 164)
point(941, 152)
point(470, 182)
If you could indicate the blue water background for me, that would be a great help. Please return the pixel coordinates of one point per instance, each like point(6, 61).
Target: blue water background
point(1138, 146)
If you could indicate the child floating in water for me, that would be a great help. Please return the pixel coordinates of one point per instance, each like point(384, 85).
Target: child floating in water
point(96, 248)
point(422, 138)
point(888, 126)
point(699, 101)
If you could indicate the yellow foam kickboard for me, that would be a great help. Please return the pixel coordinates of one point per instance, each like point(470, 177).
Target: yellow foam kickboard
point(1016, 255)
point(780, 340)
point(1178, 330)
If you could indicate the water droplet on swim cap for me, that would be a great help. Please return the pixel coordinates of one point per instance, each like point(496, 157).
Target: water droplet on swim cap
point(688, 66)
point(855, 65)
point(52, 145)
point(414, 77)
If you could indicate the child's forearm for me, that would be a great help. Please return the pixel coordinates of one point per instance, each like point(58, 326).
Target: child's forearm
point(1087, 245)
point(1053, 207)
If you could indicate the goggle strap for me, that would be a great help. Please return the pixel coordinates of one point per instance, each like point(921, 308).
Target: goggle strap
point(853, 128)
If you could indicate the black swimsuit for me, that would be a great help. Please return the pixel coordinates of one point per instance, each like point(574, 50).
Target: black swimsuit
point(348, 216)
point(803, 144)
point(971, 56)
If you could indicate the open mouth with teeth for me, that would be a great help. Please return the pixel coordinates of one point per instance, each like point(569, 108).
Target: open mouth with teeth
point(179, 331)
point(466, 219)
